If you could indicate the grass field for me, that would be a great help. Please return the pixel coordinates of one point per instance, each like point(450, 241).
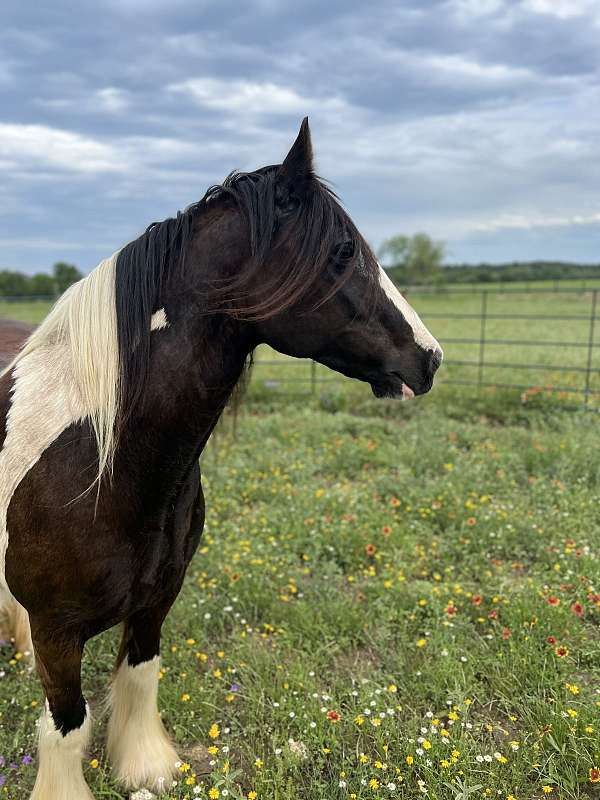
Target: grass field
point(394, 600)
point(390, 600)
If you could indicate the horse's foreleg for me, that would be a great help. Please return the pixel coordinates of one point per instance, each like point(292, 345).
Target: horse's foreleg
point(65, 726)
point(138, 745)
point(14, 625)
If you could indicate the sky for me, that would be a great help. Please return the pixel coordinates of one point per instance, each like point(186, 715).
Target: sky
point(476, 121)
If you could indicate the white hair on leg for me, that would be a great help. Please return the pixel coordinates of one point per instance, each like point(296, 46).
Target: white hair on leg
point(15, 624)
point(60, 773)
point(138, 745)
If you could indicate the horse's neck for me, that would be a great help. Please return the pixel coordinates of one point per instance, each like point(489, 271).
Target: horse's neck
point(195, 366)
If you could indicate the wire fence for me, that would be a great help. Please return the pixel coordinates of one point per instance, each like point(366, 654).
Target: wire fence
point(531, 339)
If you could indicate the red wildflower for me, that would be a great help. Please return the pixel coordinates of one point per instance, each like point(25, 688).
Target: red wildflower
point(386, 530)
point(577, 609)
point(334, 716)
point(493, 614)
point(451, 610)
point(594, 774)
point(553, 600)
point(370, 549)
point(551, 640)
point(506, 634)
point(561, 651)
point(476, 599)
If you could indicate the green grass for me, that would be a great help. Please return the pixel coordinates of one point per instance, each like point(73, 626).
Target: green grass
point(32, 312)
point(401, 565)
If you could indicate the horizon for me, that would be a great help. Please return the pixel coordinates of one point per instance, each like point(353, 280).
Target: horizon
point(475, 121)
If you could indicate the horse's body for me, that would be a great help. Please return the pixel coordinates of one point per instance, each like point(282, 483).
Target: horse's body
point(102, 424)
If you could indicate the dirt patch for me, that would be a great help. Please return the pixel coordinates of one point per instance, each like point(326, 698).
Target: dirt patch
point(12, 336)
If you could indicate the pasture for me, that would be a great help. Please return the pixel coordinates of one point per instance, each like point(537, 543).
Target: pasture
point(390, 600)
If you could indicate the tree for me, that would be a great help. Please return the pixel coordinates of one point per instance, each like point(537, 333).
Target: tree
point(65, 275)
point(42, 285)
point(414, 259)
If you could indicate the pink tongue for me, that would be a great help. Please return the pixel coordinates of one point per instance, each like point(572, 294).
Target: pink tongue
point(407, 392)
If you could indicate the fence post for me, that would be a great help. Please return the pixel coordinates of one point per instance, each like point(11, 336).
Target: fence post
point(313, 377)
point(588, 373)
point(484, 300)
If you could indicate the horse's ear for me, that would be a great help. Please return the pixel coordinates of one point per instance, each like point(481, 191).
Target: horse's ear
point(297, 168)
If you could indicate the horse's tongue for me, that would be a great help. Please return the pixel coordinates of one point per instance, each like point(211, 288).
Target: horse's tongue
point(407, 392)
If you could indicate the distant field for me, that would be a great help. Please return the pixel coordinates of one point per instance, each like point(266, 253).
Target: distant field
point(555, 366)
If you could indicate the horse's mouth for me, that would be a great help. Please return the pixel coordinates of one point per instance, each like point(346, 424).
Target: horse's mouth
point(392, 386)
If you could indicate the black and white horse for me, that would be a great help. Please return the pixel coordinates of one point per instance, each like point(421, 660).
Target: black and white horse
point(105, 411)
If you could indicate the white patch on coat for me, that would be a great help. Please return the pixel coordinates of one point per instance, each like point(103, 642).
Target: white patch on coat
point(138, 745)
point(422, 336)
point(44, 403)
point(60, 773)
point(159, 320)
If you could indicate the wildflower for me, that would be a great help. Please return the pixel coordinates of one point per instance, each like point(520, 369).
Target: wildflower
point(476, 599)
point(561, 651)
point(594, 775)
point(410, 760)
point(553, 600)
point(427, 744)
point(421, 642)
point(212, 750)
point(547, 789)
point(572, 688)
point(373, 784)
point(213, 793)
point(577, 609)
point(214, 731)
point(184, 767)
point(298, 749)
point(551, 640)
point(185, 698)
point(333, 716)
point(93, 763)
point(506, 633)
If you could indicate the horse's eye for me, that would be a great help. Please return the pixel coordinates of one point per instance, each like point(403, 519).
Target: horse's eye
point(342, 254)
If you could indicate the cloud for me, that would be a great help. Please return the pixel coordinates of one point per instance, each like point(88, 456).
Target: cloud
point(32, 146)
point(563, 9)
point(476, 120)
point(249, 97)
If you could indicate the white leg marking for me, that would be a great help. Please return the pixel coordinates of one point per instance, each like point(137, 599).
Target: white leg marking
point(138, 745)
point(422, 336)
point(159, 320)
point(60, 775)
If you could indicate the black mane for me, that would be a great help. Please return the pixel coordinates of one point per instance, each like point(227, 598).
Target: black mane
point(143, 266)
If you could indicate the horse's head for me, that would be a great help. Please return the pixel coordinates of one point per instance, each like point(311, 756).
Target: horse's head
point(320, 293)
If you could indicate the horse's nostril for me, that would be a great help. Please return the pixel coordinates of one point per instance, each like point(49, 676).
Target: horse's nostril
point(435, 358)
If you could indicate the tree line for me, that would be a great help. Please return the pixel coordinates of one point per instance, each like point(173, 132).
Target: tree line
point(420, 260)
point(410, 260)
point(42, 284)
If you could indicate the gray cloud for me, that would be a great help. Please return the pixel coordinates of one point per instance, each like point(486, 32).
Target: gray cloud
point(476, 120)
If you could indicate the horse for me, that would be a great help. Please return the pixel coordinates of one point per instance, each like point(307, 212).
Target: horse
point(107, 407)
